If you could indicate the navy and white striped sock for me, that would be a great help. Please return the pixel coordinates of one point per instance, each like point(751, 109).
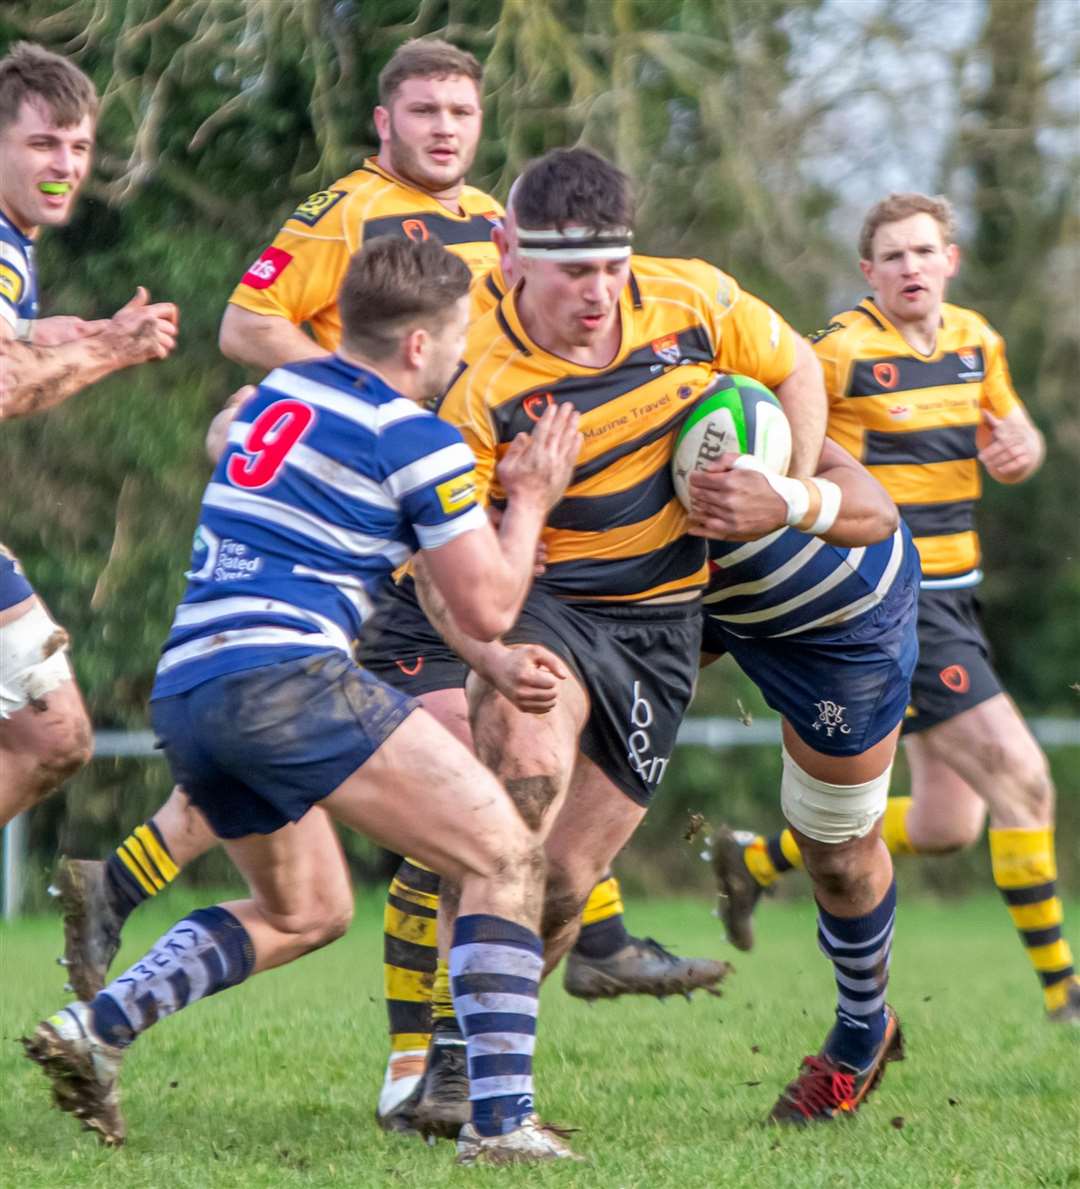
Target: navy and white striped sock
point(199, 956)
point(860, 949)
point(495, 968)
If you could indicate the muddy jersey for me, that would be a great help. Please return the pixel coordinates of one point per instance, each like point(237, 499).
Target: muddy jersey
point(18, 276)
point(330, 481)
point(912, 421)
point(619, 532)
point(298, 276)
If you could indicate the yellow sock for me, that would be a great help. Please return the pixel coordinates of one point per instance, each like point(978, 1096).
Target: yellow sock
point(410, 955)
point(768, 858)
point(442, 1002)
point(894, 826)
point(1025, 870)
point(604, 902)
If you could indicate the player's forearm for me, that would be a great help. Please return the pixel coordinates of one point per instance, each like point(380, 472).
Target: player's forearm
point(33, 379)
point(475, 653)
point(867, 513)
point(806, 406)
point(264, 341)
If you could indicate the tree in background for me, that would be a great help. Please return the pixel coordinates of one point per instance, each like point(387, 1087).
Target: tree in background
point(757, 130)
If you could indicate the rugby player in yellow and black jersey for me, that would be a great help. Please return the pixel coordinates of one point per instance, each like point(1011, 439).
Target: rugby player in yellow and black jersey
point(614, 622)
point(920, 392)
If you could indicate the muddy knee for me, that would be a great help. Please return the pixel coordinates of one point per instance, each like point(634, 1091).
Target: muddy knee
point(838, 871)
point(62, 753)
point(533, 796)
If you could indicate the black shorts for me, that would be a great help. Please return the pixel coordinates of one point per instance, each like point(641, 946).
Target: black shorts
point(954, 671)
point(638, 666)
point(400, 647)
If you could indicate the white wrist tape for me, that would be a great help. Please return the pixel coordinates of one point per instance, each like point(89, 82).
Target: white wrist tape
point(24, 329)
point(796, 496)
point(830, 506)
point(793, 492)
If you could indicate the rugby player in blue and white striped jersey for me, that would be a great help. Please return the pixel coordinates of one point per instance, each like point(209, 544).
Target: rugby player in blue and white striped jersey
point(48, 110)
point(334, 476)
point(824, 623)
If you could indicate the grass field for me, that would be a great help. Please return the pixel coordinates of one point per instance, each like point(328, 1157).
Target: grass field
point(274, 1083)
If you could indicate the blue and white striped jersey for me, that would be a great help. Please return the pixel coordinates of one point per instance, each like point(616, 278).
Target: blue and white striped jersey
point(18, 276)
point(790, 582)
point(330, 481)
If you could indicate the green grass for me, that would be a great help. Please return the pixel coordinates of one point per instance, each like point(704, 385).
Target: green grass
point(274, 1083)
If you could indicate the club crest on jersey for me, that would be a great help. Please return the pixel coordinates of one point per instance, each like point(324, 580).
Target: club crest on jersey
point(667, 348)
point(266, 270)
point(536, 403)
point(972, 360)
point(312, 209)
point(887, 374)
point(416, 230)
point(457, 493)
point(830, 719)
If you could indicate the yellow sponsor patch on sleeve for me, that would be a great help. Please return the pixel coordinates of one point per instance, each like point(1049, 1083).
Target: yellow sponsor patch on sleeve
point(457, 493)
point(312, 209)
point(11, 283)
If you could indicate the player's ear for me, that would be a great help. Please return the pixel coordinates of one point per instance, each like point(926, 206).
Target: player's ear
point(867, 267)
point(952, 257)
point(414, 347)
point(381, 116)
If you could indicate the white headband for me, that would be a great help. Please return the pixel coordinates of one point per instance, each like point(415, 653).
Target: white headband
point(574, 243)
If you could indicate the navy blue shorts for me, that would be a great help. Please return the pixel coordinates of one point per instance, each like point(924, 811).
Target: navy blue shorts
point(14, 587)
point(257, 749)
point(844, 688)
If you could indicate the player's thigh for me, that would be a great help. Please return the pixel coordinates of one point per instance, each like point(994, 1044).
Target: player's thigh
point(424, 794)
point(450, 707)
point(298, 876)
point(594, 823)
point(533, 755)
point(841, 769)
point(946, 812)
point(991, 748)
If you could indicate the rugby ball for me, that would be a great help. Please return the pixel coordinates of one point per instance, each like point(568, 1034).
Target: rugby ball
point(734, 415)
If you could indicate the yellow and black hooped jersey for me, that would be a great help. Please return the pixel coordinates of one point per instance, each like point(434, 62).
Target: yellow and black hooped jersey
point(619, 532)
point(298, 276)
point(912, 421)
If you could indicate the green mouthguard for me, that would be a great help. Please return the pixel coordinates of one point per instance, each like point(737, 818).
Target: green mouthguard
point(54, 187)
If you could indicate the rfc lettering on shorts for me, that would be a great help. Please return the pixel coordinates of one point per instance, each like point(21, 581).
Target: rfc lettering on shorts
point(457, 493)
point(312, 209)
point(639, 746)
point(266, 270)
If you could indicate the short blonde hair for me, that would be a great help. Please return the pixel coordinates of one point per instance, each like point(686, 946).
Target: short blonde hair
point(902, 206)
